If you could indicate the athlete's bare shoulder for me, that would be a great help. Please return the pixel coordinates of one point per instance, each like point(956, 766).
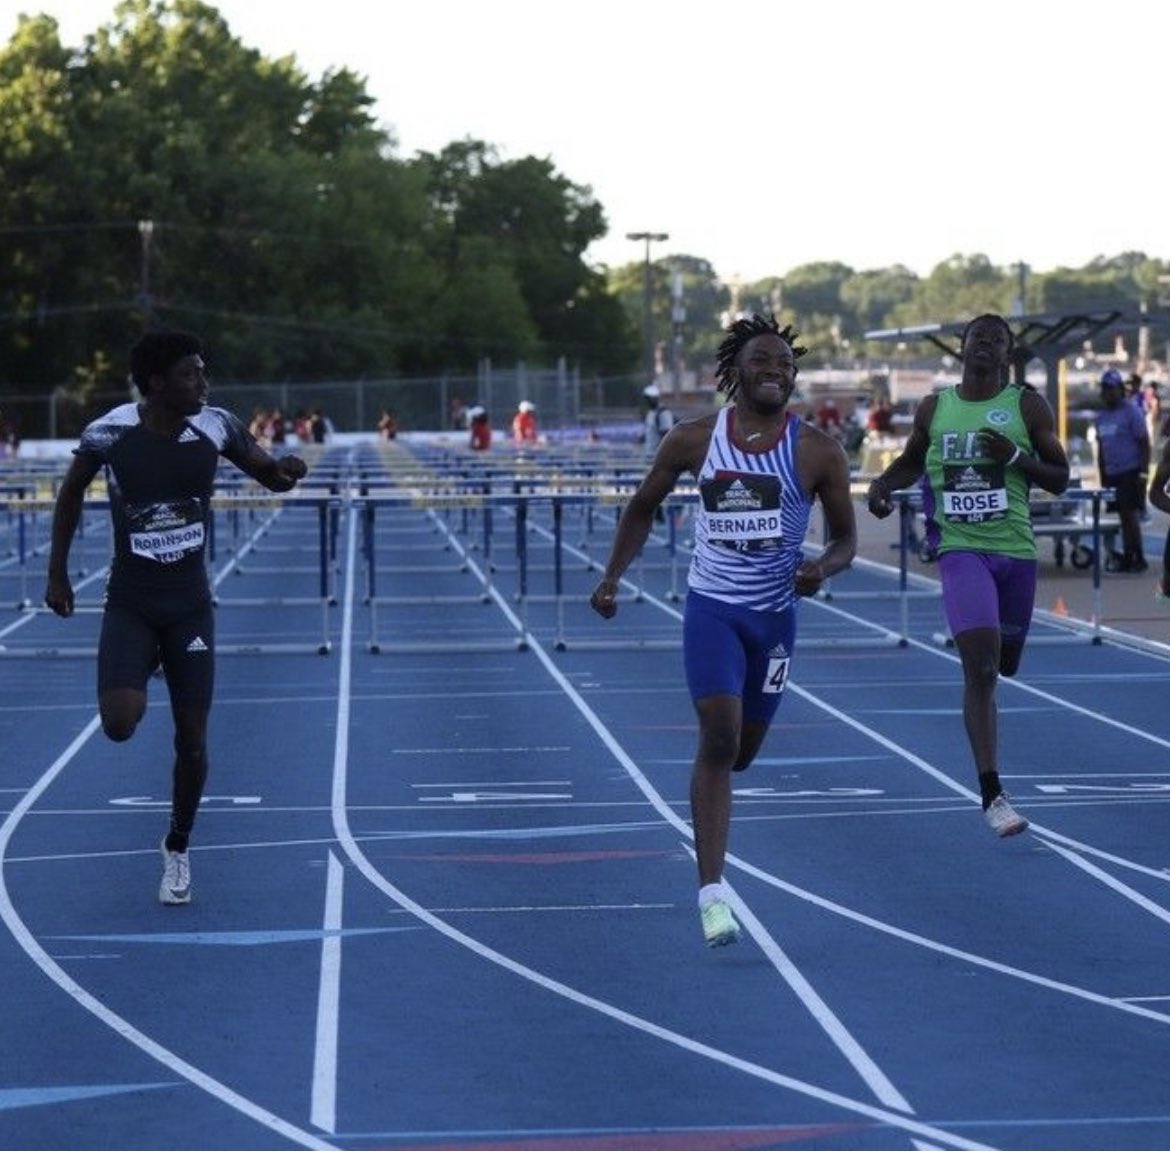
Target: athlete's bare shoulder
point(704, 423)
point(684, 447)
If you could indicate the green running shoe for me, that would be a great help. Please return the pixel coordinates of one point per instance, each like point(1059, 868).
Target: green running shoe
point(719, 926)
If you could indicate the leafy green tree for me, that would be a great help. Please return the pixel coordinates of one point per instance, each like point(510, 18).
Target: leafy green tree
point(167, 173)
point(870, 297)
point(539, 225)
point(704, 301)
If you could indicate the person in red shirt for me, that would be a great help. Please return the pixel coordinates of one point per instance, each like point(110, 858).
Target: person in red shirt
point(881, 418)
point(828, 417)
point(524, 423)
point(481, 429)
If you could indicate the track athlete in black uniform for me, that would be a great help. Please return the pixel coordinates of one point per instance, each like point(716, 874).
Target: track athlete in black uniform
point(160, 457)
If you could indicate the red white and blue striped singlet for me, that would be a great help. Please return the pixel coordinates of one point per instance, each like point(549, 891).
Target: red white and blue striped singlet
point(751, 520)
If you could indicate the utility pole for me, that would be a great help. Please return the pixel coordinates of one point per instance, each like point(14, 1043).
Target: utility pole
point(1021, 299)
point(145, 233)
point(678, 316)
point(647, 236)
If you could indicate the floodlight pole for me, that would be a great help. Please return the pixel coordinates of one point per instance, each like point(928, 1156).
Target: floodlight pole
point(145, 234)
point(647, 236)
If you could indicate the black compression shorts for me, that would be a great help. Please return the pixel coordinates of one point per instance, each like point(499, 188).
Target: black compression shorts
point(168, 627)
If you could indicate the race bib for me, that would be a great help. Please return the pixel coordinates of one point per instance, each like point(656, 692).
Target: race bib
point(972, 493)
point(165, 532)
point(742, 511)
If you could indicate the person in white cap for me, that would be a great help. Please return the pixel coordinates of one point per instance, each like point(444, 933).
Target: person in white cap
point(524, 423)
point(657, 421)
point(479, 428)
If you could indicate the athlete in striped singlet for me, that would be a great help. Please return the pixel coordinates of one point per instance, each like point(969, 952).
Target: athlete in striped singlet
point(160, 457)
point(759, 470)
point(982, 444)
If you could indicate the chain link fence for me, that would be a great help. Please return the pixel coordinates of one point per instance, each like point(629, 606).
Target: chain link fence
point(564, 399)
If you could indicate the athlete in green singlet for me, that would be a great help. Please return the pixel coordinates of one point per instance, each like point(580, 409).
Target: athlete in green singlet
point(982, 444)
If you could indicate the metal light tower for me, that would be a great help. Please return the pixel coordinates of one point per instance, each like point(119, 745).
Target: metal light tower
point(146, 234)
point(647, 236)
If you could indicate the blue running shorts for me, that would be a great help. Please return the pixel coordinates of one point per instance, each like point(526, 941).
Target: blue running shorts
point(729, 649)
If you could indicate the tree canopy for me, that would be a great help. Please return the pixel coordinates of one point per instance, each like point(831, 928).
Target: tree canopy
point(163, 172)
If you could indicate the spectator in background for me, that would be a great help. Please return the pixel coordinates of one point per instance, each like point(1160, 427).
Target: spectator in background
point(320, 425)
point(861, 409)
point(303, 427)
point(881, 418)
point(1123, 462)
point(9, 438)
point(828, 418)
point(1136, 393)
point(524, 423)
point(657, 421)
point(1133, 391)
point(387, 425)
point(258, 427)
point(1151, 408)
point(481, 429)
point(277, 428)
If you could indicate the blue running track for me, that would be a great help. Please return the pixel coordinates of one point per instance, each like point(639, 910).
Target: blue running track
point(443, 887)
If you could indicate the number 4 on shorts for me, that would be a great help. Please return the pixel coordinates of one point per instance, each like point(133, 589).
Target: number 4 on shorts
point(776, 677)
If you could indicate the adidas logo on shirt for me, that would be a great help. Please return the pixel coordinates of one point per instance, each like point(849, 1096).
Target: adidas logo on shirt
point(188, 434)
point(198, 645)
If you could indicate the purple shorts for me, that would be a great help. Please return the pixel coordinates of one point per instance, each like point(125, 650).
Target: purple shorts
point(988, 591)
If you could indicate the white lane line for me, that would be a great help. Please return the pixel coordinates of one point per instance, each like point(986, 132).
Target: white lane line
point(889, 744)
point(27, 942)
point(1016, 683)
point(1064, 841)
point(866, 1068)
point(323, 1108)
point(1034, 828)
point(1111, 882)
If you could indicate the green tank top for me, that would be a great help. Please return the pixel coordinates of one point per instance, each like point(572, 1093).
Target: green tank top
point(969, 501)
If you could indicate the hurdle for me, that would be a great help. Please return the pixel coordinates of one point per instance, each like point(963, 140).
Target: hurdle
point(1090, 519)
point(430, 504)
point(274, 504)
point(908, 586)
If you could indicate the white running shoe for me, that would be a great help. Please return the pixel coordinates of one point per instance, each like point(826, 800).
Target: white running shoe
point(719, 926)
point(176, 881)
point(1003, 818)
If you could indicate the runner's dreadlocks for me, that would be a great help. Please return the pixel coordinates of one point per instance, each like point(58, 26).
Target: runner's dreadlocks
point(738, 335)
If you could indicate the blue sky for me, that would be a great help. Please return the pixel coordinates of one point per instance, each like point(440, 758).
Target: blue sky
point(763, 136)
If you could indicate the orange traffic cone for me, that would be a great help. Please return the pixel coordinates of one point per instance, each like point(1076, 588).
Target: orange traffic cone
point(1059, 607)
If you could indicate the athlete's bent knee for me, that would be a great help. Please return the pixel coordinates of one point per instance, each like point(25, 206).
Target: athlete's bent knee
point(1009, 660)
point(121, 712)
point(118, 729)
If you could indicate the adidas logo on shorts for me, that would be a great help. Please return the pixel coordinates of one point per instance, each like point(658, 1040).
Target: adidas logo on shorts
point(197, 645)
